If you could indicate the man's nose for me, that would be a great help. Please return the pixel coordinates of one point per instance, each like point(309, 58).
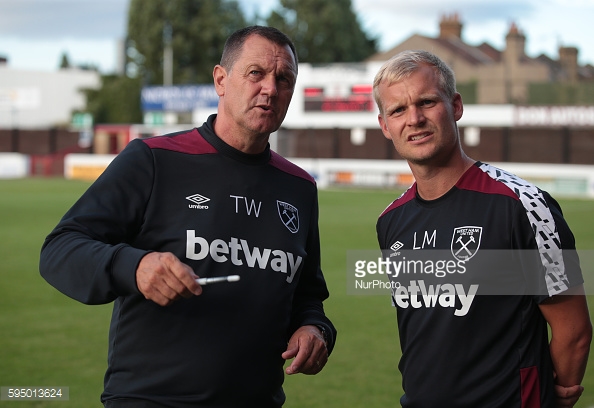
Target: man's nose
point(269, 86)
point(415, 116)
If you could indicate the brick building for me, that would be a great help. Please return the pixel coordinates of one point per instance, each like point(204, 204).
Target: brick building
point(491, 75)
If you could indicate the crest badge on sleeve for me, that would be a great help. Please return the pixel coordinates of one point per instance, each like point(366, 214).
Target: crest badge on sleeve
point(466, 242)
point(289, 215)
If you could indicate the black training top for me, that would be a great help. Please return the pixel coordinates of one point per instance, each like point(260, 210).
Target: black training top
point(470, 328)
point(222, 212)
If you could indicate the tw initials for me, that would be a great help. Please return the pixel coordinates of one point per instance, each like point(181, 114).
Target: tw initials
point(250, 205)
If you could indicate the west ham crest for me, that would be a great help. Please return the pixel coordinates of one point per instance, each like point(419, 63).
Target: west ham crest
point(466, 242)
point(289, 215)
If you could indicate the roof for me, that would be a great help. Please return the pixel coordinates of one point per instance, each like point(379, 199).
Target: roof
point(474, 55)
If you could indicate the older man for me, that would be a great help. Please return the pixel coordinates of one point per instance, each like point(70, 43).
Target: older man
point(208, 202)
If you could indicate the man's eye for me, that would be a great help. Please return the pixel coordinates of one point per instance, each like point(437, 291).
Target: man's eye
point(286, 80)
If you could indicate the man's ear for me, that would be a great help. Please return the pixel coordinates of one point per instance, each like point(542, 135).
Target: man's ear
point(219, 75)
point(458, 106)
point(384, 127)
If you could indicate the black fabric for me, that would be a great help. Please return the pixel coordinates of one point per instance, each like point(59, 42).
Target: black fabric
point(469, 354)
point(223, 213)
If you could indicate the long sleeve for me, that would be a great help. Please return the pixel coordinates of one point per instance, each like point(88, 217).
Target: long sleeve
point(220, 212)
point(312, 290)
point(89, 255)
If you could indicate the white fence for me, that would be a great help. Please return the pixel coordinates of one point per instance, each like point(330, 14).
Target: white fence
point(14, 165)
point(558, 179)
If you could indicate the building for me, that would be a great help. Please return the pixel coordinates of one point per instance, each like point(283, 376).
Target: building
point(36, 114)
point(492, 76)
point(42, 99)
point(333, 114)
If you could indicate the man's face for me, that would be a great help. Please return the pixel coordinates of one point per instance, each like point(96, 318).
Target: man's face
point(256, 93)
point(419, 119)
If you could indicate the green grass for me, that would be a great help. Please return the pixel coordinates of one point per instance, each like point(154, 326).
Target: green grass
point(48, 339)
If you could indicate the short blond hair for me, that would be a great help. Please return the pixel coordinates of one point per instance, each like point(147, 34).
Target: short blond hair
point(405, 63)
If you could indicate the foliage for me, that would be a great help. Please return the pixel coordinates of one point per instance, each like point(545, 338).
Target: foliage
point(196, 31)
point(117, 101)
point(323, 31)
point(199, 29)
point(468, 92)
point(561, 94)
point(64, 61)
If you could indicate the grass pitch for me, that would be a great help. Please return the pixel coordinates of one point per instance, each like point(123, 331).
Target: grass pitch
point(48, 339)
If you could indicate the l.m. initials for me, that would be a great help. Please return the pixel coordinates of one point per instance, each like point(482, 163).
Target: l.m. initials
point(250, 205)
point(427, 240)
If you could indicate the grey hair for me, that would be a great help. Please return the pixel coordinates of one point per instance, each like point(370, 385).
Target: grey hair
point(234, 44)
point(405, 63)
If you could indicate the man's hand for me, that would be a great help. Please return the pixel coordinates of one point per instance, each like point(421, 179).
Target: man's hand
point(571, 333)
point(308, 347)
point(568, 396)
point(163, 278)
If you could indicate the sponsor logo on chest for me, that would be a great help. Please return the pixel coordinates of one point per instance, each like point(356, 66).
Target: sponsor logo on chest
point(240, 253)
point(464, 244)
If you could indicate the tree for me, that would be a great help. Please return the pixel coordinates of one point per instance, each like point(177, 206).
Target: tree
point(199, 29)
point(323, 31)
point(117, 101)
point(64, 61)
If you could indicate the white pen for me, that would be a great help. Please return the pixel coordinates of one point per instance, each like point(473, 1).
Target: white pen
point(217, 279)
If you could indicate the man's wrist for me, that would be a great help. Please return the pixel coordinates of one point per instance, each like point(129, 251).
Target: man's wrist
point(322, 330)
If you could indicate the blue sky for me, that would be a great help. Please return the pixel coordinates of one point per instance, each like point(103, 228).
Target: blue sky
point(35, 33)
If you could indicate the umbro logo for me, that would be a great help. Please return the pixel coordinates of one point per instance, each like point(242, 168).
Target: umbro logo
point(396, 246)
point(198, 200)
